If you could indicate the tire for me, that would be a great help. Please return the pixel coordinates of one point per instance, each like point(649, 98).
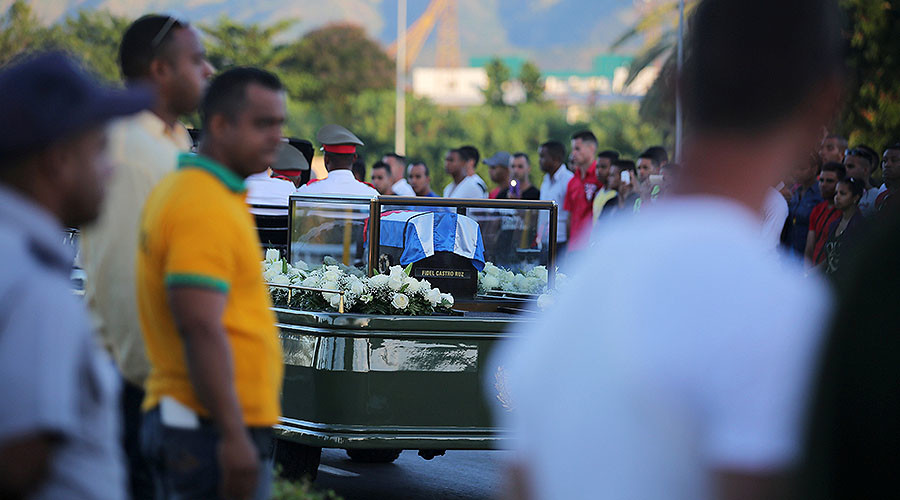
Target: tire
point(373, 456)
point(296, 460)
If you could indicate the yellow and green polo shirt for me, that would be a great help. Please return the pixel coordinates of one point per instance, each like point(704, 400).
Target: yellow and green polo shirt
point(196, 231)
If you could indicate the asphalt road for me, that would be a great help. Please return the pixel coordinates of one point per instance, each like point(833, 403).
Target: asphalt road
point(456, 475)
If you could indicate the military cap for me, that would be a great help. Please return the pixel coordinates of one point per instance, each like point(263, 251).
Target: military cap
point(337, 139)
point(290, 160)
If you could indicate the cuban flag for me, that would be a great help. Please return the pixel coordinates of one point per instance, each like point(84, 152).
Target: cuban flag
point(420, 234)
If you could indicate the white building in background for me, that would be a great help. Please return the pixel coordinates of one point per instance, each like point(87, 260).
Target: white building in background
point(574, 91)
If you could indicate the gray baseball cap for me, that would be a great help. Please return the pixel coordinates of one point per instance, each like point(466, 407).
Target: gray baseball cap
point(500, 159)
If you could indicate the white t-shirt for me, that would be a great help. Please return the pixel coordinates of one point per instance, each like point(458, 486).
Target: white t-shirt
point(696, 358)
point(265, 190)
point(338, 182)
point(553, 188)
point(470, 187)
point(402, 188)
point(774, 213)
point(867, 202)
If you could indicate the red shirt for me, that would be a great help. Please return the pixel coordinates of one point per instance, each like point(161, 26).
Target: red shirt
point(820, 218)
point(493, 194)
point(580, 205)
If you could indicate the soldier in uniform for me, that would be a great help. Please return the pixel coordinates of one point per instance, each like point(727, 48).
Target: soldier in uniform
point(339, 145)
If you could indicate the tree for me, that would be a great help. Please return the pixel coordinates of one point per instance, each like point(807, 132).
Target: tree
point(344, 62)
point(95, 37)
point(230, 43)
point(532, 83)
point(20, 31)
point(872, 111)
point(498, 74)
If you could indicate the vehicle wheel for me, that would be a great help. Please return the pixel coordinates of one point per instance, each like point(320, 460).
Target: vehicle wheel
point(373, 456)
point(296, 460)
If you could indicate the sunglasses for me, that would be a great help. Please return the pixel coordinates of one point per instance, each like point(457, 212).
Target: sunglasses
point(859, 152)
point(166, 28)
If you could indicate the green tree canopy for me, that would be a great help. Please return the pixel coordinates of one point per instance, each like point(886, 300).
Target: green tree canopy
point(532, 83)
point(498, 74)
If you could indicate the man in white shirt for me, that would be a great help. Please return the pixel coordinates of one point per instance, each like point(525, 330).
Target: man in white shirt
point(398, 171)
point(774, 213)
point(463, 185)
point(263, 189)
point(339, 145)
point(686, 375)
point(551, 156)
point(165, 54)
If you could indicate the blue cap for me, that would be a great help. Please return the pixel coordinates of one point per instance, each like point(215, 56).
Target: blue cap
point(48, 97)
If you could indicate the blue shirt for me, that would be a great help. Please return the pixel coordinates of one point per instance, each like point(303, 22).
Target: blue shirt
point(431, 194)
point(799, 209)
point(55, 379)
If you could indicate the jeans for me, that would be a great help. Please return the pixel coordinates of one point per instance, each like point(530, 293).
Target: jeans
point(139, 474)
point(185, 461)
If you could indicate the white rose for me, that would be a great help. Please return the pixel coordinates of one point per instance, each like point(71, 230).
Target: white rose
point(400, 301)
point(540, 272)
point(521, 282)
point(491, 269)
point(396, 272)
point(426, 285)
point(331, 275)
point(332, 268)
point(447, 299)
point(270, 275)
point(331, 285)
point(544, 301)
point(379, 280)
point(280, 280)
point(433, 296)
point(395, 283)
point(413, 286)
point(334, 300)
point(272, 255)
point(303, 266)
point(357, 287)
point(311, 282)
point(490, 282)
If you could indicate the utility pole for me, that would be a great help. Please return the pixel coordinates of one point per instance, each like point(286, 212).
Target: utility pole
point(679, 118)
point(400, 111)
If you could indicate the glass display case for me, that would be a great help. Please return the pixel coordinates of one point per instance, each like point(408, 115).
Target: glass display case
point(474, 249)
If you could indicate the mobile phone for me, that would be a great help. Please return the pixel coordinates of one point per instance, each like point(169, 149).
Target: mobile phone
point(656, 179)
point(626, 177)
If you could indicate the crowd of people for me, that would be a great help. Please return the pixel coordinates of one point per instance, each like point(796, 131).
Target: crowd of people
point(684, 372)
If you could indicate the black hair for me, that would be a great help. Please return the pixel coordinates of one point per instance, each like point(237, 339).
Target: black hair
point(359, 168)
point(145, 40)
point(556, 150)
point(522, 155)
point(340, 160)
point(651, 155)
point(857, 187)
point(674, 168)
point(469, 153)
point(625, 164)
point(380, 164)
point(866, 153)
point(837, 168)
point(418, 162)
point(395, 155)
point(609, 154)
point(728, 78)
point(227, 92)
point(585, 136)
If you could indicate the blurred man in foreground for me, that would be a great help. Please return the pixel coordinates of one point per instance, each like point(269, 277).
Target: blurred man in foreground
point(59, 421)
point(215, 378)
point(686, 391)
point(166, 55)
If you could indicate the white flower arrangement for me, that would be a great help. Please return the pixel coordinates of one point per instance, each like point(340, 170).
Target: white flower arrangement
point(533, 282)
point(393, 293)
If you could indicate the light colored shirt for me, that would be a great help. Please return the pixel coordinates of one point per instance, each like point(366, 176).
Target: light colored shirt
point(402, 188)
point(701, 362)
point(338, 182)
point(867, 201)
point(265, 190)
point(196, 231)
point(143, 150)
point(553, 188)
point(469, 187)
point(55, 378)
point(774, 214)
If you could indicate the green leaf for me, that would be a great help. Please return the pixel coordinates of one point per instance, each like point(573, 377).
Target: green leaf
point(408, 270)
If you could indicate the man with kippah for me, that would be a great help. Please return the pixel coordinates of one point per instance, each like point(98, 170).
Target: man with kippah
point(59, 420)
point(339, 145)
